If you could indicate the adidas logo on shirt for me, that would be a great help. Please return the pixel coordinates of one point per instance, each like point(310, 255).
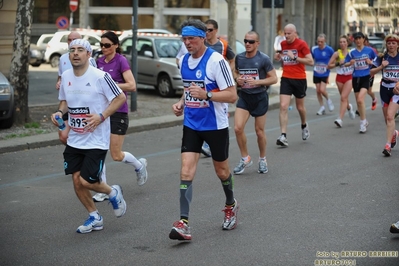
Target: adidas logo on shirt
point(88, 84)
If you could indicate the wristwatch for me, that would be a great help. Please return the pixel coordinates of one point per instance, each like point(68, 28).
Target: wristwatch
point(209, 95)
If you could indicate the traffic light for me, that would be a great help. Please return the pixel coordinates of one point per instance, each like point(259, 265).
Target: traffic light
point(371, 2)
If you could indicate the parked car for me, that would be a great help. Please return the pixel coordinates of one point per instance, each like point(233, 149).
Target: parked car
point(43, 40)
point(58, 45)
point(6, 103)
point(156, 60)
point(127, 33)
point(36, 55)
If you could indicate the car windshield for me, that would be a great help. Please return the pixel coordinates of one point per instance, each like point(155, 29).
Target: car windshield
point(167, 47)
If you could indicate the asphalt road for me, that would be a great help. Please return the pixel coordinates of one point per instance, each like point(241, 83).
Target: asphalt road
point(331, 194)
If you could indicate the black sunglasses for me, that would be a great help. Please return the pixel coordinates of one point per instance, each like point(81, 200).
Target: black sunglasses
point(249, 41)
point(106, 45)
point(209, 30)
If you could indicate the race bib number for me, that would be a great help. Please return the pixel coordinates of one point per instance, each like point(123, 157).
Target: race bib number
point(247, 74)
point(77, 119)
point(320, 68)
point(361, 64)
point(191, 101)
point(391, 73)
point(287, 60)
point(343, 70)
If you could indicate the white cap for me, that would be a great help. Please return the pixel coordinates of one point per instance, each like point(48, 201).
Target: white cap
point(85, 44)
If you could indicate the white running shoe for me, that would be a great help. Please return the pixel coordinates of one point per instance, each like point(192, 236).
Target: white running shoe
point(99, 197)
point(322, 111)
point(91, 224)
point(142, 174)
point(330, 105)
point(363, 127)
point(338, 122)
point(282, 141)
point(118, 203)
point(305, 132)
point(351, 113)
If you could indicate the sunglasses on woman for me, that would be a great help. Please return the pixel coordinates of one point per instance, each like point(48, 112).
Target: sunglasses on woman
point(106, 45)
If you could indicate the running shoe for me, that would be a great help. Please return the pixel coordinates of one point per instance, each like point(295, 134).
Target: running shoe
point(91, 224)
point(262, 167)
point(305, 132)
point(351, 113)
point(330, 105)
point(230, 216)
point(338, 122)
point(180, 231)
point(394, 228)
point(363, 127)
point(99, 197)
point(240, 168)
point(394, 139)
point(118, 203)
point(282, 141)
point(374, 104)
point(206, 150)
point(322, 111)
point(142, 174)
point(387, 150)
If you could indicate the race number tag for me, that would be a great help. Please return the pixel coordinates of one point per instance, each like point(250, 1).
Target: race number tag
point(320, 68)
point(77, 118)
point(189, 100)
point(287, 60)
point(391, 72)
point(251, 73)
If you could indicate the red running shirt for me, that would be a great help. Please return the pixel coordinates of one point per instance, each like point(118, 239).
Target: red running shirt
point(291, 68)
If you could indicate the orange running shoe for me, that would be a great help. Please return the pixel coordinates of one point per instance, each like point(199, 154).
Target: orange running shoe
point(374, 104)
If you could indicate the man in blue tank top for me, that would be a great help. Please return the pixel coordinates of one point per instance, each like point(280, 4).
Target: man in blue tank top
point(255, 73)
point(208, 88)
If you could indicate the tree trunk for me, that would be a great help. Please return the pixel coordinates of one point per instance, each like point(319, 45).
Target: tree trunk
point(231, 18)
point(19, 77)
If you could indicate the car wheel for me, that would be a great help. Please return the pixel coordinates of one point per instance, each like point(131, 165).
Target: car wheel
point(164, 86)
point(55, 60)
point(36, 64)
point(7, 123)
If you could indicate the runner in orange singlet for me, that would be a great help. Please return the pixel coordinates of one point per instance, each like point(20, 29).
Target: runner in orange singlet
point(295, 55)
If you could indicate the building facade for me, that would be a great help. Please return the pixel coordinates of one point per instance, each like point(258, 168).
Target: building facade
point(311, 17)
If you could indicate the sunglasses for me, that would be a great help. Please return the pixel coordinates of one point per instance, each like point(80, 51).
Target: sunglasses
point(209, 30)
point(106, 45)
point(249, 41)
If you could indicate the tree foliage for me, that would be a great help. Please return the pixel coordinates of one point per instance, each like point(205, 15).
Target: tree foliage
point(19, 77)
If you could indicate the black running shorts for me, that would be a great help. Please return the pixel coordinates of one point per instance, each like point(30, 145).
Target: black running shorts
point(89, 162)
point(218, 141)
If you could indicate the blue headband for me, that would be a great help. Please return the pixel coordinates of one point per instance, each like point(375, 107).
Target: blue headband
point(192, 31)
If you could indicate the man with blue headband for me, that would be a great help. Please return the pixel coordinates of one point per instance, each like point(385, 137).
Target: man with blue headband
point(208, 88)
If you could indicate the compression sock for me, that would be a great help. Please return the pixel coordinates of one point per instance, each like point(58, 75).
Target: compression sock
point(186, 195)
point(228, 185)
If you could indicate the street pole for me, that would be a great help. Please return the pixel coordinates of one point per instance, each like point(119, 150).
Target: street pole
point(253, 14)
point(70, 21)
point(133, 94)
point(272, 30)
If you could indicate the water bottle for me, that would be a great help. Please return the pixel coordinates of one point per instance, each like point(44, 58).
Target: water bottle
point(61, 123)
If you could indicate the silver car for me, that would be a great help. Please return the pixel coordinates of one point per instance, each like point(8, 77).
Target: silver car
point(156, 62)
point(58, 45)
point(6, 103)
